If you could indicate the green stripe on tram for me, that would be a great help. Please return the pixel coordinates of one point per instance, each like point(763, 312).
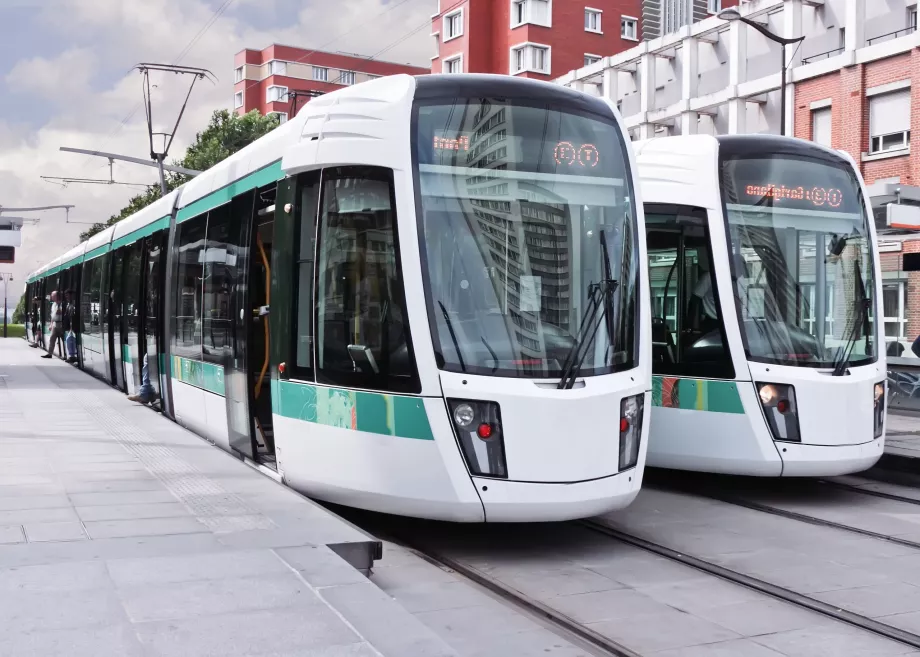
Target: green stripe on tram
point(160, 224)
point(207, 376)
point(264, 176)
point(387, 415)
point(696, 394)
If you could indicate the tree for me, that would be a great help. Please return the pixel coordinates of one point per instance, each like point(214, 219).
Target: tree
point(19, 315)
point(225, 134)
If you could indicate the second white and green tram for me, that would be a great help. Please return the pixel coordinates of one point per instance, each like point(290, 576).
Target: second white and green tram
point(765, 288)
point(425, 296)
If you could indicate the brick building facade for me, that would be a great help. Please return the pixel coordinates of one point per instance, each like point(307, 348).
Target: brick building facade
point(846, 95)
point(531, 38)
point(264, 79)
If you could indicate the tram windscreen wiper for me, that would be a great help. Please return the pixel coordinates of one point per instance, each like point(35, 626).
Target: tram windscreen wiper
point(861, 306)
point(599, 298)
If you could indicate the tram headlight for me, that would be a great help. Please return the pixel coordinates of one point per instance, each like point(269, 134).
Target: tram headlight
point(780, 411)
point(878, 411)
point(631, 411)
point(478, 427)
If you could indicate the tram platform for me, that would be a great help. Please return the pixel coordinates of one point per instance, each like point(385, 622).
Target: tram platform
point(121, 533)
point(902, 442)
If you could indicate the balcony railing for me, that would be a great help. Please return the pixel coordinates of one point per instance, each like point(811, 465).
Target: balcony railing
point(892, 35)
point(822, 55)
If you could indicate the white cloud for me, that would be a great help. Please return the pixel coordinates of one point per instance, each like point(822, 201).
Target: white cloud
point(113, 35)
point(58, 78)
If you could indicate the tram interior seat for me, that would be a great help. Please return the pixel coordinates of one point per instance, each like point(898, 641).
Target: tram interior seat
point(663, 347)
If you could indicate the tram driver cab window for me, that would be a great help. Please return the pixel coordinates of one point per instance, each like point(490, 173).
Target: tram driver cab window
point(688, 334)
point(362, 324)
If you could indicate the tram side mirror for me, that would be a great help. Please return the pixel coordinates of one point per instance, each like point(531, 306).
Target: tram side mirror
point(910, 262)
point(837, 245)
point(363, 359)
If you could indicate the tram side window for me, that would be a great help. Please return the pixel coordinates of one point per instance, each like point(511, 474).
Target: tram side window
point(688, 333)
point(362, 326)
point(91, 297)
point(219, 274)
point(306, 266)
point(190, 238)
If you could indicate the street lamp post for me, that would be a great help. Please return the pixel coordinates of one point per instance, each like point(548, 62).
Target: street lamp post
point(732, 14)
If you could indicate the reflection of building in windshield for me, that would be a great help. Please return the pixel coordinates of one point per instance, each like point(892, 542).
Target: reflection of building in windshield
point(528, 233)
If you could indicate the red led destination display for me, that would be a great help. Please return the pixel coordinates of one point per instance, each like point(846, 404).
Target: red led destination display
point(568, 154)
point(818, 196)
point(456, 143)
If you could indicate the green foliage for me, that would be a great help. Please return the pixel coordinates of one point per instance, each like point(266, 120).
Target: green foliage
point(225, 134)
point(19, 315)
point(13, 330)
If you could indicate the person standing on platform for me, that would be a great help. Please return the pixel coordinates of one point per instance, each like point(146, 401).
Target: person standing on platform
point(56, 319)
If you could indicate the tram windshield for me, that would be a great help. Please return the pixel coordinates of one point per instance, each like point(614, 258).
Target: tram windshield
point(526, 212)
point(802, 260)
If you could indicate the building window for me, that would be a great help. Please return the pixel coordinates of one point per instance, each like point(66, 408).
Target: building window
point(347, 78)
point(889, 121)
point(675, 14)
point(276, 67)
point(912, 18)
point(714, 6)
point(893, 310)
point(453, 25)
point(530, 58)
point(238, 75)
point(453, 65)
point(282, 117)
point(821, 126)
point(238, 100)
point(592, 59)
point(276, 94)
point(321, 73)
point(593, 20)
point(538, 12)
point(629, 28)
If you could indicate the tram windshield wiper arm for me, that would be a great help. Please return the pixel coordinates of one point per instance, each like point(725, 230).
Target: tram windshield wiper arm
point(599, 297)
point(861, 306)
point(453, 335)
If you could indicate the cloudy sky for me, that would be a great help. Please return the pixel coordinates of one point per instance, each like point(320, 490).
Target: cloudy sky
point(66, 80)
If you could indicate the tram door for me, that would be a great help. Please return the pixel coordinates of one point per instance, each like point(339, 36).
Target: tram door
point(152, 336)
point(236, 377)
point(112, 293)
point(247, 377)
point(129, 326)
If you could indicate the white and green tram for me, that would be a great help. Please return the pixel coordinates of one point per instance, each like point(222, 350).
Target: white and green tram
point(765, 287)
point(424, 296)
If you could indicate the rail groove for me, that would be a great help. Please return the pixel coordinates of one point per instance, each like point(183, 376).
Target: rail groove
point(753, 583)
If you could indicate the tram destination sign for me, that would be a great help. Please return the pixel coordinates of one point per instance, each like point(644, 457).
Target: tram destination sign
point(791, 183)
point(522, 139)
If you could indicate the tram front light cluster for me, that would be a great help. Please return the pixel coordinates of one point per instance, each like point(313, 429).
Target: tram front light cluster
point(631, 410)
point(478, 427)
point(780, 410)
point(878, 411)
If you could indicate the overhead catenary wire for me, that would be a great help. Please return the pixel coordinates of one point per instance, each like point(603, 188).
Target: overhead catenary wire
point(185, 51)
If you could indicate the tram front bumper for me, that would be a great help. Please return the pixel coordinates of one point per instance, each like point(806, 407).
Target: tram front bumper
point(516, 501)
point(828, 460)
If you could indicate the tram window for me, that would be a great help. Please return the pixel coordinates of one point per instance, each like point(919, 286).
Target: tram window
point(220, 264)
point(190, 238)
point(91, 297)
point(306, 265)
point(362, 327)
point(688, 334)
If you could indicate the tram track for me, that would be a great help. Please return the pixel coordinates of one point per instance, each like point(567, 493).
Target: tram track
point(559, 623)
point(839, 485)
point(599, 644)
point(755, 584)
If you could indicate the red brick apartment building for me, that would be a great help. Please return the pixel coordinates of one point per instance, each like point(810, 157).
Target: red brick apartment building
point(539, 39)
point(265, 79)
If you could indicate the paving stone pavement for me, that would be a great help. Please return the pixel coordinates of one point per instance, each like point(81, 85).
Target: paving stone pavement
point(123, 534)
point(903, 435)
